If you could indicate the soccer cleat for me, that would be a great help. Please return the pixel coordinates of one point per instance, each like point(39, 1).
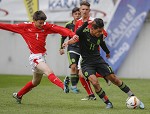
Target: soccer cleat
point(107, 81)
point(89, 98)
point(109, 106)
point(141, 105)
point(74, 89)
point(18, 100)
point(66, 84)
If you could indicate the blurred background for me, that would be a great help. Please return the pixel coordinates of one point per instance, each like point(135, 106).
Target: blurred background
point(126, 21)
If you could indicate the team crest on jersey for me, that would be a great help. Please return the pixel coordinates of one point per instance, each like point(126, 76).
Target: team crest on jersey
point(86, 30)
point(73, 60)
point(86, 73)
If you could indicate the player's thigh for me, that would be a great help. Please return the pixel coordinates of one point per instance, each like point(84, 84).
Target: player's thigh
point(104, 69)
point(73, 58)
point(42, 66)
point(87, 71)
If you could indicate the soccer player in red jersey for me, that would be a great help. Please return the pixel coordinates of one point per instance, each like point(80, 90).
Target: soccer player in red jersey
point(85, 13)
point(35, 33)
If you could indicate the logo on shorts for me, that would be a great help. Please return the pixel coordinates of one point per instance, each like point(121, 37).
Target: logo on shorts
point(86, 73)
point(73, 60)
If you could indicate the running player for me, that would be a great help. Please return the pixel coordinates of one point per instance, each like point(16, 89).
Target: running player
point(85, 13)
point(35, 33)
point(72, 51)
point(92, 62)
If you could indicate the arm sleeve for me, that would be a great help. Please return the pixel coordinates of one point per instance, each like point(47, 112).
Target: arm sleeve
point(63, 38)
point(80, 29)
point(61, 30)
point(17, 28)
point(104, 47)
point(62, 41)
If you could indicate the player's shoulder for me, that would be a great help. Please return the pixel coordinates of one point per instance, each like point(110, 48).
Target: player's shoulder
point(69, 23)
point(27, 23)
point(47, 25)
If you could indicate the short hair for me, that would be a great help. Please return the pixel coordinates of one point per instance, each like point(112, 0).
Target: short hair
point(39, 15)
point(75, 10)
point(85, 3)
point(98, 23)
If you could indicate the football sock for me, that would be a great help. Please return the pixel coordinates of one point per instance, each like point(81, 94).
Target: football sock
point(126, 89)
point(103, 96)
point(25, 89)
point(74, 79)
point(86, 85)
point(55, 80)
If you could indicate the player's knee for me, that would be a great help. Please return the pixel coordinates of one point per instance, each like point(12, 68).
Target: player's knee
point(95, 83)
point(36, 82)
point(47, 72)
point(74, 67)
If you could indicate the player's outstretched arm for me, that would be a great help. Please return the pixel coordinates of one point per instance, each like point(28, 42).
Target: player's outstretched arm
point(73, 40)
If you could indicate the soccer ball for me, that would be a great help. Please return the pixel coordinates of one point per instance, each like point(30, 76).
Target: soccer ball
point(132, 102)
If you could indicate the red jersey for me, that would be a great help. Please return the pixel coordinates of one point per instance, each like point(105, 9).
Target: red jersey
point(34, 37)
point(80, 22)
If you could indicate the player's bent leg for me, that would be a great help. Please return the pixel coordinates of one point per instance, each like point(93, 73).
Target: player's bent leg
point(124, 88)
point(42, 66)
point(99, 91)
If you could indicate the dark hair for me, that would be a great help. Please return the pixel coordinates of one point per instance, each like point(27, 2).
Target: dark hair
point(98, 23)
point(39, 15)
point(75, 10)
point(85, 3)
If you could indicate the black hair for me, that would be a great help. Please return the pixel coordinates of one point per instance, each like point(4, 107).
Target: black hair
point(98, 23)
point(85, 3)
point(39, 15)
point(75, 10)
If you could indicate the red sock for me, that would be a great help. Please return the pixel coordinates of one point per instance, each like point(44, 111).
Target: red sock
point(86, 85)
point(55, 80)
point(98, 75)
point(25, 89)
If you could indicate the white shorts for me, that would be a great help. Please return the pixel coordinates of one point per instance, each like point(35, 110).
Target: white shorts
point(79, 63)
point(35, 59)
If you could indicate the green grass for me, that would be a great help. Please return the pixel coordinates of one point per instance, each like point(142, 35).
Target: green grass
point(49, 99)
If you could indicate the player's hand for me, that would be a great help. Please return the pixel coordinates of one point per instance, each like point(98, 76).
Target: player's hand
point(65, 44)
point(75, 37)
point(61, 51)
point(108, 56)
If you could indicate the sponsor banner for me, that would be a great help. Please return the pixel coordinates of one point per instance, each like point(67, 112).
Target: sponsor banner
point(123, 29)
point(31, 7)
point(56, 10)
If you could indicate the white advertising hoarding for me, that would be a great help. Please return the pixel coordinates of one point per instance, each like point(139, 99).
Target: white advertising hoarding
point(56, 10)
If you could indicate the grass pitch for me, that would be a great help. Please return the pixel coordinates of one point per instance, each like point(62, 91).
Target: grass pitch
point(50, 99)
